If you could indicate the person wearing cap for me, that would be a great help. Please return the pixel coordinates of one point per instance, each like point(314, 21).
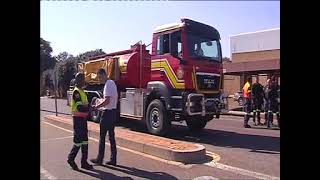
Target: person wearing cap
point(79, 109)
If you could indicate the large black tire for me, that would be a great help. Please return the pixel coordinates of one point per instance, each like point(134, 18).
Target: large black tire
point(95, 115)
point(196, 124)
point(157, 119)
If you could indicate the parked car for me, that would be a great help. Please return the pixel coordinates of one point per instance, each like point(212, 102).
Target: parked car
point(238, 96)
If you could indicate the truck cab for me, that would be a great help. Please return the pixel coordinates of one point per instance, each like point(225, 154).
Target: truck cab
point(186, 68)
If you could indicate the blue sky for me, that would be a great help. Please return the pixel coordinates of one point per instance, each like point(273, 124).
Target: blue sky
point(79, 26)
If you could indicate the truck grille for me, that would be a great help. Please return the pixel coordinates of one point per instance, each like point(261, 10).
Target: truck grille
point(208, 82)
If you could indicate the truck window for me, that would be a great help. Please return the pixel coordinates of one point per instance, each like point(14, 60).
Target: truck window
point(175, 44)
point(202, 47)
point(163, 44)
point(158, 46)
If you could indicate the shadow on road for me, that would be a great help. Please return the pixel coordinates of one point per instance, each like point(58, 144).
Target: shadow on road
point(96, 173)
point(138, 173)
point(228, 139)
point(141, 173)
point(221, 138)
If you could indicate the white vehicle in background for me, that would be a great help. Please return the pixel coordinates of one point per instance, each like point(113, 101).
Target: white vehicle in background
point(238, 97)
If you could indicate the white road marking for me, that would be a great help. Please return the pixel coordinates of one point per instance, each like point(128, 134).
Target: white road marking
point(57, 127)
point(52, 139)
point(240, 171)
point(210, 164)
point(133, 151)
point(205, 178)
point(46, 174)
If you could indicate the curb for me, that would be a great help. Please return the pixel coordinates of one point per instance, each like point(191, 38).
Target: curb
point(161, 147)
point(241, 113)
point(234, 113)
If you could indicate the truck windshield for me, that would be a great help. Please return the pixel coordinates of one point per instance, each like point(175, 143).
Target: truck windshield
point(203, 47)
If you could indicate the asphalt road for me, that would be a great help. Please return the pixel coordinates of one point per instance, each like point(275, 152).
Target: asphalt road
point(243, 151)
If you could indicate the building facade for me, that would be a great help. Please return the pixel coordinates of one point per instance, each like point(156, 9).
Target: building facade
point(252, 54)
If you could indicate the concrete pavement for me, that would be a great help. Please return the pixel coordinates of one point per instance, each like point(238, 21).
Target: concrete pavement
point(56, 144)
point(165, 148)
point(256, 149)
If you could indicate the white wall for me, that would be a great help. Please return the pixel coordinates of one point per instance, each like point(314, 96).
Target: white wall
point(255, 41)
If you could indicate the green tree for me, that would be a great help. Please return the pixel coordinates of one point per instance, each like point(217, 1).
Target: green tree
point(65, 70)
point(46, 60)
point(86, 55)
point(66, 67)
point(63, 56)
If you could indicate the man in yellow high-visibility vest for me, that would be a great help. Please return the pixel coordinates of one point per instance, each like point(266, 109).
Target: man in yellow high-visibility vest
point(79, 109)
point(247, 101)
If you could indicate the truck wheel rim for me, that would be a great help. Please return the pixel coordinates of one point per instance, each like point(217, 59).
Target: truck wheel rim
point(154, 117)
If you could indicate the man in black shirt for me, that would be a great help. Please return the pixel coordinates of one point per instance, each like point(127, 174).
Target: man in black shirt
point(257, 100)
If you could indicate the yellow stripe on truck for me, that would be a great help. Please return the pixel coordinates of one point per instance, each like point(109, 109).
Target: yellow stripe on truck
point(165, 66)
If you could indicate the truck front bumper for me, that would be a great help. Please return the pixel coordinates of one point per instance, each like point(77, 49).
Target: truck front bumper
point(198, 104)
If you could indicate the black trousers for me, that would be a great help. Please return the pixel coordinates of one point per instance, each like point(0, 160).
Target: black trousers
point(256, 107)
point(273, 107)
point(247, 109)
point(107, 125)
point(80, 139)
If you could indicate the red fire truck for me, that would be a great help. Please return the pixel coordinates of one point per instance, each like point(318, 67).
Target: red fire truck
point(180, 80)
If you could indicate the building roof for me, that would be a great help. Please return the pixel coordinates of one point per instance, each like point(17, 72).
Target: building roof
point(261, 31)
point(255, 41)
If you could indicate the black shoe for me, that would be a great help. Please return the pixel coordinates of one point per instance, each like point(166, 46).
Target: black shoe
point(96, 161)
point(113, 163)
point(73, 165)
point(86, 166)
point(247, 126)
